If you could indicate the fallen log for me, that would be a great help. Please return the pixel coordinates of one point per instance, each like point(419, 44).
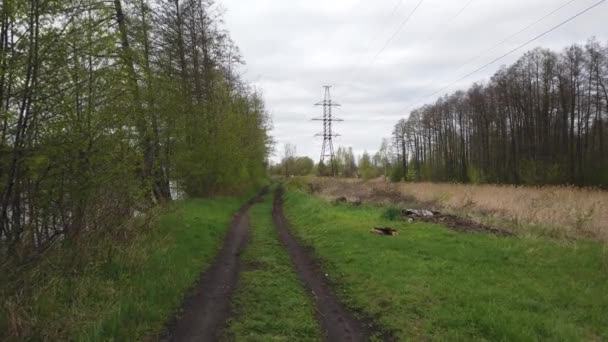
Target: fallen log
point(385, 231)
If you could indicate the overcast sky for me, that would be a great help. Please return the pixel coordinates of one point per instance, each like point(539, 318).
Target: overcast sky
point(378, 64)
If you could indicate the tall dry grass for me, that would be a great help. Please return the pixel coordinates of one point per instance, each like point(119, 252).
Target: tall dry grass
point(561, 211)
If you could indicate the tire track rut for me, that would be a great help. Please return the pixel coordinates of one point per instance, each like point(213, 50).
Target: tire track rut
point(205, 312)
point(338, 323)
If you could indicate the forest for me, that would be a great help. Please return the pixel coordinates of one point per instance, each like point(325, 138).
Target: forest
point(109, 108)
point(542, 120)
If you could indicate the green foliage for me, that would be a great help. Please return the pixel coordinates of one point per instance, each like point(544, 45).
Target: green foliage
point(227, 152)
point(433, 283)
point(391, 214)
point(541, 120)
point(346, 163)
point(103, 112)
point(323, 170)
point(303, 166)
point(270, 303)
point(426, 172)
point(111, 288)
point(295, 166)
point(366, 169)
point(474, 175)
point(298, 183)
point(104, 106)
point(412, 175)
point(396, 174)
point(538, 173)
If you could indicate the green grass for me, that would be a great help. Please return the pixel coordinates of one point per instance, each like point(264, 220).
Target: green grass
point(270, 303)
point(119, 290)
point(436, 284)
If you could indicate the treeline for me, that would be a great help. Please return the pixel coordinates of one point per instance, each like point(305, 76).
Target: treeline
point(542, 120)
point(105, 105)
point(346, 164)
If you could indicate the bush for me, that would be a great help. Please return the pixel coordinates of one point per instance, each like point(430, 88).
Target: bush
point(474, 175)
point(297, 183)
point(391, 214)
point(396, 174)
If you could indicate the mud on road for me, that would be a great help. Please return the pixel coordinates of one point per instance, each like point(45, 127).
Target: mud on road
point(206, 310)
point(338, 323)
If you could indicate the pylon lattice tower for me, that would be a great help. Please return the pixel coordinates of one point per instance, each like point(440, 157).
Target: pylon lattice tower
point(327, 151)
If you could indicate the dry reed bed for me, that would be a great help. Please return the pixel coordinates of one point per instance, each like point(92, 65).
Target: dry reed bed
point(561, 211)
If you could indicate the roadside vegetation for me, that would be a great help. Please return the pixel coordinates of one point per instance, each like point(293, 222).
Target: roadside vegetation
point(109, 110)
point(562, 212)
point(271, 303)
point(109, 288)
point(433, 283)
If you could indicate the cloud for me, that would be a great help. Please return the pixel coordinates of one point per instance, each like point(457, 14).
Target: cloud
point(293, 48)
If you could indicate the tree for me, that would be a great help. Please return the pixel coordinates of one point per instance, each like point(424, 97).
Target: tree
point(303, 166)
point(323, 170)
point(103, 104)
point(288, 161)
point(541, 120)
point(366, 169)
point(346, 164)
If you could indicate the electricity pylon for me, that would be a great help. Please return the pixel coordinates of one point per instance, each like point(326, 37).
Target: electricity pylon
point(327, 151)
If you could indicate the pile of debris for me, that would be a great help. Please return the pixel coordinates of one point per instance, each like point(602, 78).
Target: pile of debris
point(451, 221)
point(413, 213)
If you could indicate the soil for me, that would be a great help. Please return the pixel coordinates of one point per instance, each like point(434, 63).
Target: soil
point(463, 225)
point(205, 311)
point(337, 321)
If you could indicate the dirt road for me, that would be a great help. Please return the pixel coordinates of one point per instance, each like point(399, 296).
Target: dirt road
point(205, 312)
point(338, 323)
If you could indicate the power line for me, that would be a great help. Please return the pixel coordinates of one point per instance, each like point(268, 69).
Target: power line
point(374, 38)
point(492, 48)
point(396, 33)
point(449, 21)
point(394, 10)
point(387, 43)
point(463, 8)
point(512, 51)
point(385, 19)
